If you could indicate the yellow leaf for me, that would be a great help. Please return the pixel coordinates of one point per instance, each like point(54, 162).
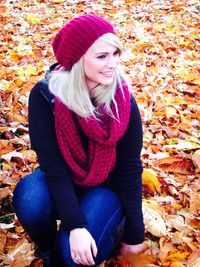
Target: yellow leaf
point(171, 112)
point(150, 180)
point(181, 256)
point(15, 56)
point(33, 19)
point(176, 206)
point(20, 118)
point(30, 70)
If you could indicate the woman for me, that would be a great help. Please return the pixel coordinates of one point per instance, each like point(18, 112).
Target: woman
point(86, 130)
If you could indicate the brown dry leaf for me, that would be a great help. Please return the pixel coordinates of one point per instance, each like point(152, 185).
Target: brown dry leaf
point(165, 247)
point(176, 165)
point(196, 159)
point(161, 57)
point(194, 202)
point(23, 260)
point(178, 222)
point(4, 192)
point(37, 263)
point(19, 255)
point(29, 156)
point(139, 260)
point(154, 223)
point(14, 156)
point(194, 259)
point(5, 147)
point(2, 241)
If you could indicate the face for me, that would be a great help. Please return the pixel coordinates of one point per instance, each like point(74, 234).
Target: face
point(99, 63)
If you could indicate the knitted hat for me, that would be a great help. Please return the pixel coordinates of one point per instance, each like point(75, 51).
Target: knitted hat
point(74, 39)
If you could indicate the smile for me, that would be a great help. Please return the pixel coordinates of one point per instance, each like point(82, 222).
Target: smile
point(107, 74)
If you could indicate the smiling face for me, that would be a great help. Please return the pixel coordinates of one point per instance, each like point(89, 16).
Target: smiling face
point(99, 63)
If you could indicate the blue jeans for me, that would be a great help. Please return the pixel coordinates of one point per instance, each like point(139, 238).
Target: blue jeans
point(36, 212)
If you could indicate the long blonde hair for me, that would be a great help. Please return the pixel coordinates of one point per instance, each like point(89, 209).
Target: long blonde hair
point(70, 86)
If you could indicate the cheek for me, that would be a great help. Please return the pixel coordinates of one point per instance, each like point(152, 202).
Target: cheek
point(91, 67)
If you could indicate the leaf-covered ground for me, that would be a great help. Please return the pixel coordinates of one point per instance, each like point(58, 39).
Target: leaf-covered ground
point(161, 40)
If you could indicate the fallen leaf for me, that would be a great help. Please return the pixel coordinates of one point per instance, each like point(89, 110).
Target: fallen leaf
point(150, 180)
point(194, 259)
point(176, 165)
point(4, 192)
point(196, 159)
point(154, 223)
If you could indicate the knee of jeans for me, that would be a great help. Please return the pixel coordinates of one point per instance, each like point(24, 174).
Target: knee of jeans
point(105, 195)
point(31, 209)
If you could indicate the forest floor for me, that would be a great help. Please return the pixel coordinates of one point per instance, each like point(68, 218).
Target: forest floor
point(161, 59)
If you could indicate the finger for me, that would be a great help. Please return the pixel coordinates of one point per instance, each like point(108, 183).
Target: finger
point(89, 257)
point(94, 248)
point(75, 257)
point(76, 260)
point(84, 260)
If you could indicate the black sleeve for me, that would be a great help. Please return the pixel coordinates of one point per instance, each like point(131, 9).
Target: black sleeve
point(127, 175)
point(44, 142)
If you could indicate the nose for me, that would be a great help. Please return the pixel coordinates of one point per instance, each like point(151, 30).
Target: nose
point(112, 62)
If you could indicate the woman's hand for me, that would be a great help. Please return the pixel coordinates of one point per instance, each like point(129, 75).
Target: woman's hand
point(132, 249)
point(82, 246)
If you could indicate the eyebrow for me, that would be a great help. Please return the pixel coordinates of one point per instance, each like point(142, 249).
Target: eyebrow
point(103, 52)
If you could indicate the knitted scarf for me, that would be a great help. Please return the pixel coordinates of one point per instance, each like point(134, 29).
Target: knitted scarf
point(92, 167)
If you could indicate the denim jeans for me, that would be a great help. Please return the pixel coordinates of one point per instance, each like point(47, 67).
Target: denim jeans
point(36, 212)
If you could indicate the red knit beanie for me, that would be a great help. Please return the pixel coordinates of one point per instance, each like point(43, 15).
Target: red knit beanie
point(74, 39)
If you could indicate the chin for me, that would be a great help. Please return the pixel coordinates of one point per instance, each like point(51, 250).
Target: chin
point(107, 83)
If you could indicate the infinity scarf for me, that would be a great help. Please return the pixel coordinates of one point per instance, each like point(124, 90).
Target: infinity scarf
point(92, 167)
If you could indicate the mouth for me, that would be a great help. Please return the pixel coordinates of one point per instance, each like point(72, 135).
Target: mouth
point(107, 74)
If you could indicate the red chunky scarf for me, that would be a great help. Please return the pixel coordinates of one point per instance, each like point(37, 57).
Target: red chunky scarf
point(92, 168)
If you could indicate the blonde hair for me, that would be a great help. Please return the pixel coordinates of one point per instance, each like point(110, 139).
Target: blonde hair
point(70, 86)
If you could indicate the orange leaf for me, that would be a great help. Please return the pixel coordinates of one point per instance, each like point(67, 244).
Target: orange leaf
point(139, 260)
point(176, 165)
point(2, 240)
point(176, 264)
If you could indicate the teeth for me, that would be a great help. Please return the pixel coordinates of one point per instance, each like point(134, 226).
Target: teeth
point(107, 73)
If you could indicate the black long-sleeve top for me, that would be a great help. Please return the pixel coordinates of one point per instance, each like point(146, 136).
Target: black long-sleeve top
point(125, 179)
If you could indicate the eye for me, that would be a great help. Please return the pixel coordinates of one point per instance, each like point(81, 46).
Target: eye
point(101, 56)
point(117, 53)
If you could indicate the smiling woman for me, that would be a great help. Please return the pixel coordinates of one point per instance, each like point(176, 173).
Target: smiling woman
point(86, 130)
